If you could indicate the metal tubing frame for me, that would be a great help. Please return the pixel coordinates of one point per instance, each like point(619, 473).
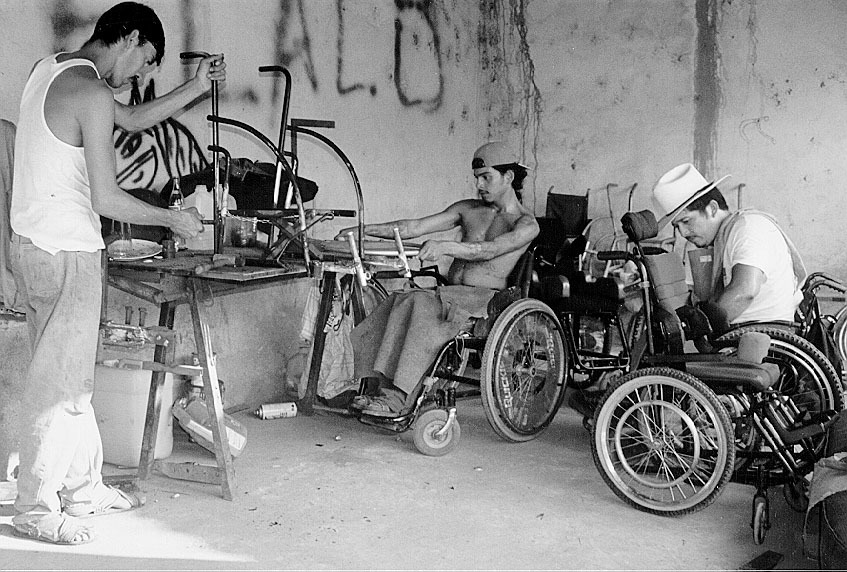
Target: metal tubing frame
point(281, 161)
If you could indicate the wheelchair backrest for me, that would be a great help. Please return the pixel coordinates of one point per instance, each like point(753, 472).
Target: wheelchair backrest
point(521, 275)
point(667, 276)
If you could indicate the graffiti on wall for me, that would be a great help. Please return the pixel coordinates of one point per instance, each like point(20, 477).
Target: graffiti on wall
point(418, 74)
point(149, 158)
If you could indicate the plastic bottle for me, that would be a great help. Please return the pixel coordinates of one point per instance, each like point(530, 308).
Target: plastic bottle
point(175, 203)
point(202, 200)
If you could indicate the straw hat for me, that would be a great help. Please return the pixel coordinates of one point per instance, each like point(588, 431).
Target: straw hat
point(677, 189)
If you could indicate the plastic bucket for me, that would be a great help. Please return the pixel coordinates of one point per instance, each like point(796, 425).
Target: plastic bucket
point(120, 407)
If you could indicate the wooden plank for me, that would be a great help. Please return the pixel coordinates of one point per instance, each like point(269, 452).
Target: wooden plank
point(190, 472)
point(248, 273)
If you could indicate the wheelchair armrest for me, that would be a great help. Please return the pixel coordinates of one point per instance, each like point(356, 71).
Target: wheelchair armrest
point(431, 272)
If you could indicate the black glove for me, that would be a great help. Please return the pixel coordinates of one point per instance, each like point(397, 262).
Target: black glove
point(717, 317)
point(695, 324)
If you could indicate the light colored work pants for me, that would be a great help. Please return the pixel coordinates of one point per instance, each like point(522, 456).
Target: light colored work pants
point(61, 455)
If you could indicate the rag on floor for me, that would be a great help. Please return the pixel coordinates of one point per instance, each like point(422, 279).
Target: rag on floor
point(403, 335)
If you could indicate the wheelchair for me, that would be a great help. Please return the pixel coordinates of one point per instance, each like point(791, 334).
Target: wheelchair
point(671, 432)
point(522, 361)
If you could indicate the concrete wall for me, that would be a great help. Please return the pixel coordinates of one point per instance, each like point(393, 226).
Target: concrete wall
point(598, 95)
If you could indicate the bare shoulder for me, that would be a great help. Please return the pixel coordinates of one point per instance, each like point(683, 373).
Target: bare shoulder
point(467, 205)
point(78, 98)
point(525, 217)
point(81, 85)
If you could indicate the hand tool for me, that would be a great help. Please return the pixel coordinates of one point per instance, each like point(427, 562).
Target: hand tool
point(219, 260)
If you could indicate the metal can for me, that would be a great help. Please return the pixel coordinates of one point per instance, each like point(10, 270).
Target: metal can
point(276, 410)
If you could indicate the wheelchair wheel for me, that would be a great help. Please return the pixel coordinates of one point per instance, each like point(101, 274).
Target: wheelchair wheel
point(806, 376)
point(522, 380)
point(426, 437)
point(661, 441)
point(761, 522)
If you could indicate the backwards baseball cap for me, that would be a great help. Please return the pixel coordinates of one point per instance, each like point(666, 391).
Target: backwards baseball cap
point(494, 154)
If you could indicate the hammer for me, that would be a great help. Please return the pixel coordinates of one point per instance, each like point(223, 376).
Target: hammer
point(219, 260)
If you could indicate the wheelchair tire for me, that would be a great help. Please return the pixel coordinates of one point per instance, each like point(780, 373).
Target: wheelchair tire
point(662, 442)
point(524, 367)
point(760, 524)
point(426, 438)
point(806, 376)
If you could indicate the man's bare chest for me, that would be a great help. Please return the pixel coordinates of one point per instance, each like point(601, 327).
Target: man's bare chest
point(486, 224)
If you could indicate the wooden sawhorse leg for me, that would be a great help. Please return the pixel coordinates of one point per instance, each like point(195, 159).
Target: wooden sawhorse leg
point(203, 342)
point(224, 473)
point(163, 354)
point(306, 405)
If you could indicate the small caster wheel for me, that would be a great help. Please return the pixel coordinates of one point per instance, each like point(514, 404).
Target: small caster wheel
point(761, 519)
point(796, 495)
point(427, 439)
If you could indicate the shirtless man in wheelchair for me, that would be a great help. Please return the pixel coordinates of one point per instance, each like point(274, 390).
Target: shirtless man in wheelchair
point(402, 336)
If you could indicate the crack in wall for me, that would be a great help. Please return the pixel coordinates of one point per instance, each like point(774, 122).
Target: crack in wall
point(513, 104)
point(707, 85)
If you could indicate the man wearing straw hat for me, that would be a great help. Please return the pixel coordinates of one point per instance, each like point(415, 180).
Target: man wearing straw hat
point(757, 271)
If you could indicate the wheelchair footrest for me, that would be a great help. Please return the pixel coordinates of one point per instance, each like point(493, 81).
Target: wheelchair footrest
point(810, 425)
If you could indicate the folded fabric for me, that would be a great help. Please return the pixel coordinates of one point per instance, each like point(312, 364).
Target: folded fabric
point(403, 335)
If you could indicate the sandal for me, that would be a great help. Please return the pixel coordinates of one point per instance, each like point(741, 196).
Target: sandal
point(361, 401)
point(56, 528)
point(120, 498)
point(382, 406)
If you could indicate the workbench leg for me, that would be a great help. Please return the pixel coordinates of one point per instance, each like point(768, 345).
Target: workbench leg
point(203, 342)
point(163, 354)
point(305, 405)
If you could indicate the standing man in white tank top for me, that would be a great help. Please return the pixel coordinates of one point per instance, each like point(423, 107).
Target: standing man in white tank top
point(64, 180)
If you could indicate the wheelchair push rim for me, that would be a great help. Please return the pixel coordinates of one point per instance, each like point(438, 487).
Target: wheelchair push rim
point(523, 370)
point(662, 442)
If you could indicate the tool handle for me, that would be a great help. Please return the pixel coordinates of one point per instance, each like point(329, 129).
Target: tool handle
point(201, 268)
point(401, 253)
point(357, 260)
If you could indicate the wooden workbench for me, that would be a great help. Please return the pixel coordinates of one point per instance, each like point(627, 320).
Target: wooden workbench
point(168, 283)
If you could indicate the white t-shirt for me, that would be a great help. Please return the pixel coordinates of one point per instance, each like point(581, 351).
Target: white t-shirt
point(755, 241)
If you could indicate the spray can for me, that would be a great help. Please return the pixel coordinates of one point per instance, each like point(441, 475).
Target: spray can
point(277, 410)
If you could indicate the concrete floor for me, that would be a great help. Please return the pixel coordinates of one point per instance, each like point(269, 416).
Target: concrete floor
point(326, 492)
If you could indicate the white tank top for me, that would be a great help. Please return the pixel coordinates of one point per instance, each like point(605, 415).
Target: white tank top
point(51, 196)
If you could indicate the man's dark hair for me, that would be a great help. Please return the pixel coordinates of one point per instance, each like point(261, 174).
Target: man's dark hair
point(701, 203)
point(121, 19)
point(517, 181)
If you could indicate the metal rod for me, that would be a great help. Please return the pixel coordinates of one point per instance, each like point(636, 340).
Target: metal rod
point(218, 204)
point(357, 187)
point(215, 127)
point(282, 125)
